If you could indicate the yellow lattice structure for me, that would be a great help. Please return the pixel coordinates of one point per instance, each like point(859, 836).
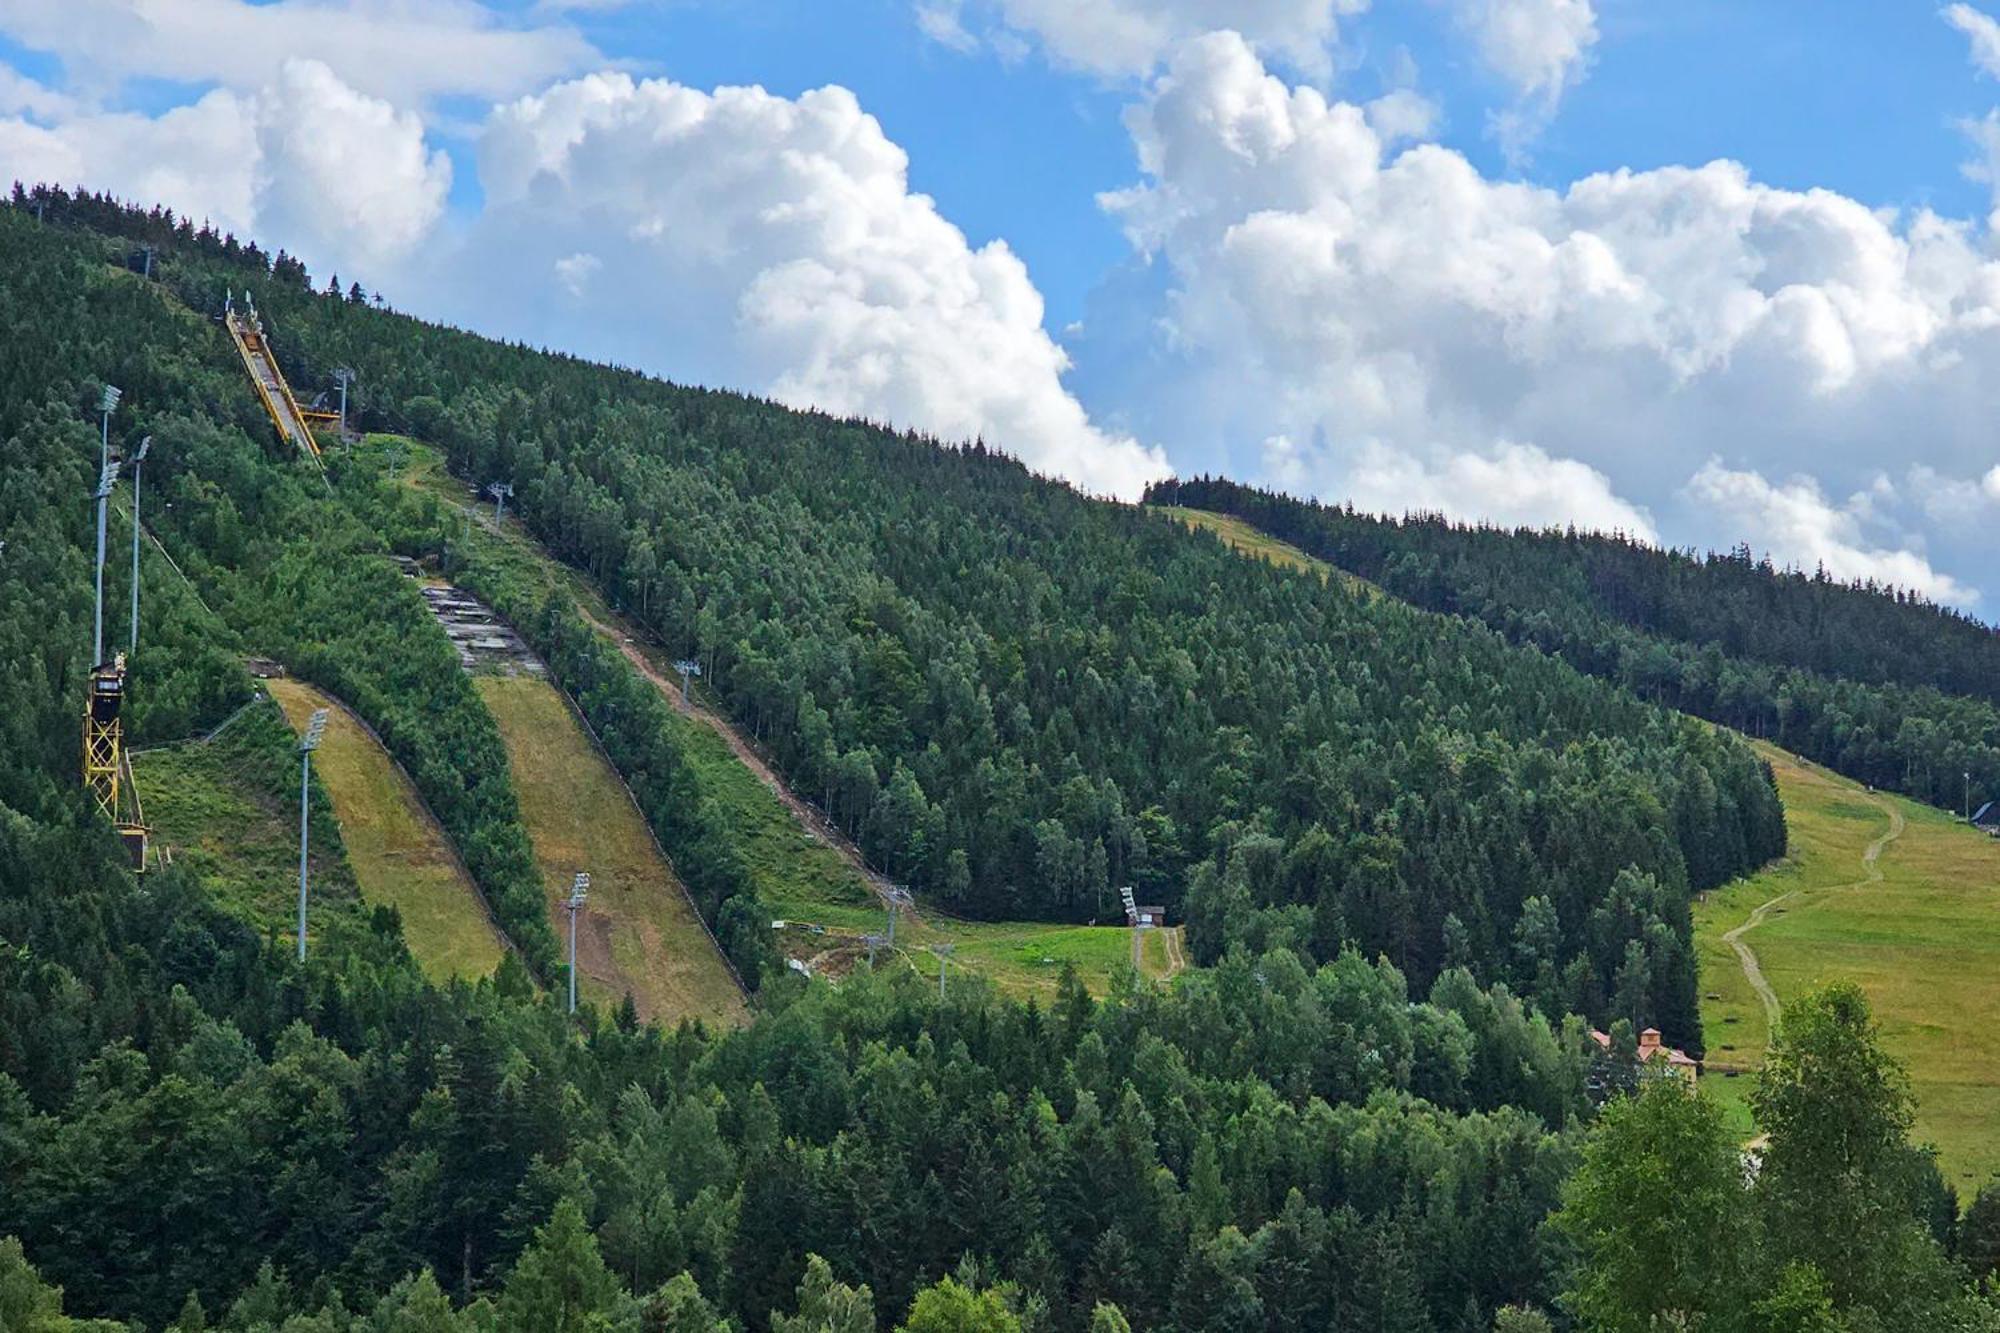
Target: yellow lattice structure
point(104, 766)
point(246, 330)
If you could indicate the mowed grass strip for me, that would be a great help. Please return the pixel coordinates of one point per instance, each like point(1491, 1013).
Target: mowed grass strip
point(639, 933)
point(1026, 959)
point(399, 854)
point(1923, 943)
point(230, 812)
point(1260, 545)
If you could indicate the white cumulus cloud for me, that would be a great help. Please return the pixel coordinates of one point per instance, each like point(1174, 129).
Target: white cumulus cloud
point(1428, 337)
point(1128, 37)
point(1800, 527)
point(404, 50)
point(1513, 485)
point(1540, 48)
point(1982, 31)
point(773, 244)
point(307, 162)
point(1537, 46)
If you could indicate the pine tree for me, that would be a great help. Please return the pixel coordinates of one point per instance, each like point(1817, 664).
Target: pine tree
point(415, 1305)
point(560, 1283)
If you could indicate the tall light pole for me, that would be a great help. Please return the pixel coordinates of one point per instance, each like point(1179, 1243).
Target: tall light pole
point(343, 377)
point(499, 490)
point(579, 891)
point(307, 744)
point(138, 467)
point(107, 403)
point(106, 479)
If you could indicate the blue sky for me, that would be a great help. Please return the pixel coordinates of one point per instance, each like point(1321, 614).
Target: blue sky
point(1861, 99)
point(1705, 272)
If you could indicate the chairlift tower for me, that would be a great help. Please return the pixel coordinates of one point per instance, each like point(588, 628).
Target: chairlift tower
point(689, 669)
point(343, 377)
point(579, 893)
point(897, 899)
point(307, 744)
point(501, 491)
point(1138, 921)
point(944, 953)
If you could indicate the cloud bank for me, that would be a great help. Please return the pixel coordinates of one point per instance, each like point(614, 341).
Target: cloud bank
point(1413, 334)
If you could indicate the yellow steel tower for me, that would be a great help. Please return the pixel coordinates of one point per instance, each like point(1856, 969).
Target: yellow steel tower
point(103, 735)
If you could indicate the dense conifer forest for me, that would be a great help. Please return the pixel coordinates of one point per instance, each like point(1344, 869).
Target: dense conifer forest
point(1416, 861)
point(1874, 682)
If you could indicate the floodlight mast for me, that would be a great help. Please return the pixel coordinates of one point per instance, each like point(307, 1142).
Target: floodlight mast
point(107, 403)
point(307, 744)
point(579, 892)
point(138, 466)
point(106, 479)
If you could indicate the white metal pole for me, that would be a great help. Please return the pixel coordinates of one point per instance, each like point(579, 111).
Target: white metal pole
point(305, 775)
point(138, 469)
point(103, 500)
point(307, 744)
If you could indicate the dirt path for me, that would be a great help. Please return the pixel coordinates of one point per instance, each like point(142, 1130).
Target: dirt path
point(802, 810)
point(1745, 955)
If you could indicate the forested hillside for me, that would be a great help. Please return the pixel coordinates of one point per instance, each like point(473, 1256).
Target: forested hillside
point(1018, 699)
point(1016, 696)
point(182, 1104)
point(1874, 682)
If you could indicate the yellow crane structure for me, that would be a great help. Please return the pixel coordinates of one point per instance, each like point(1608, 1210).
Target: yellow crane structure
point(105, 767)
point(246, 330)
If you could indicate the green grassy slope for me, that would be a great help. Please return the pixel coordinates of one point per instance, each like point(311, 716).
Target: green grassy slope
point(398, 853)
point(229, 810)
point(639, 933)
point(1241, 536)
point(1923, 941)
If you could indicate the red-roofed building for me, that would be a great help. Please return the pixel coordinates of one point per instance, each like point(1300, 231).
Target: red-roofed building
point(1676, 1062)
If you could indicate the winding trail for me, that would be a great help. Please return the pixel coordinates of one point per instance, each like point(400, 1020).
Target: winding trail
point(1745, 955)
point(626, 640)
